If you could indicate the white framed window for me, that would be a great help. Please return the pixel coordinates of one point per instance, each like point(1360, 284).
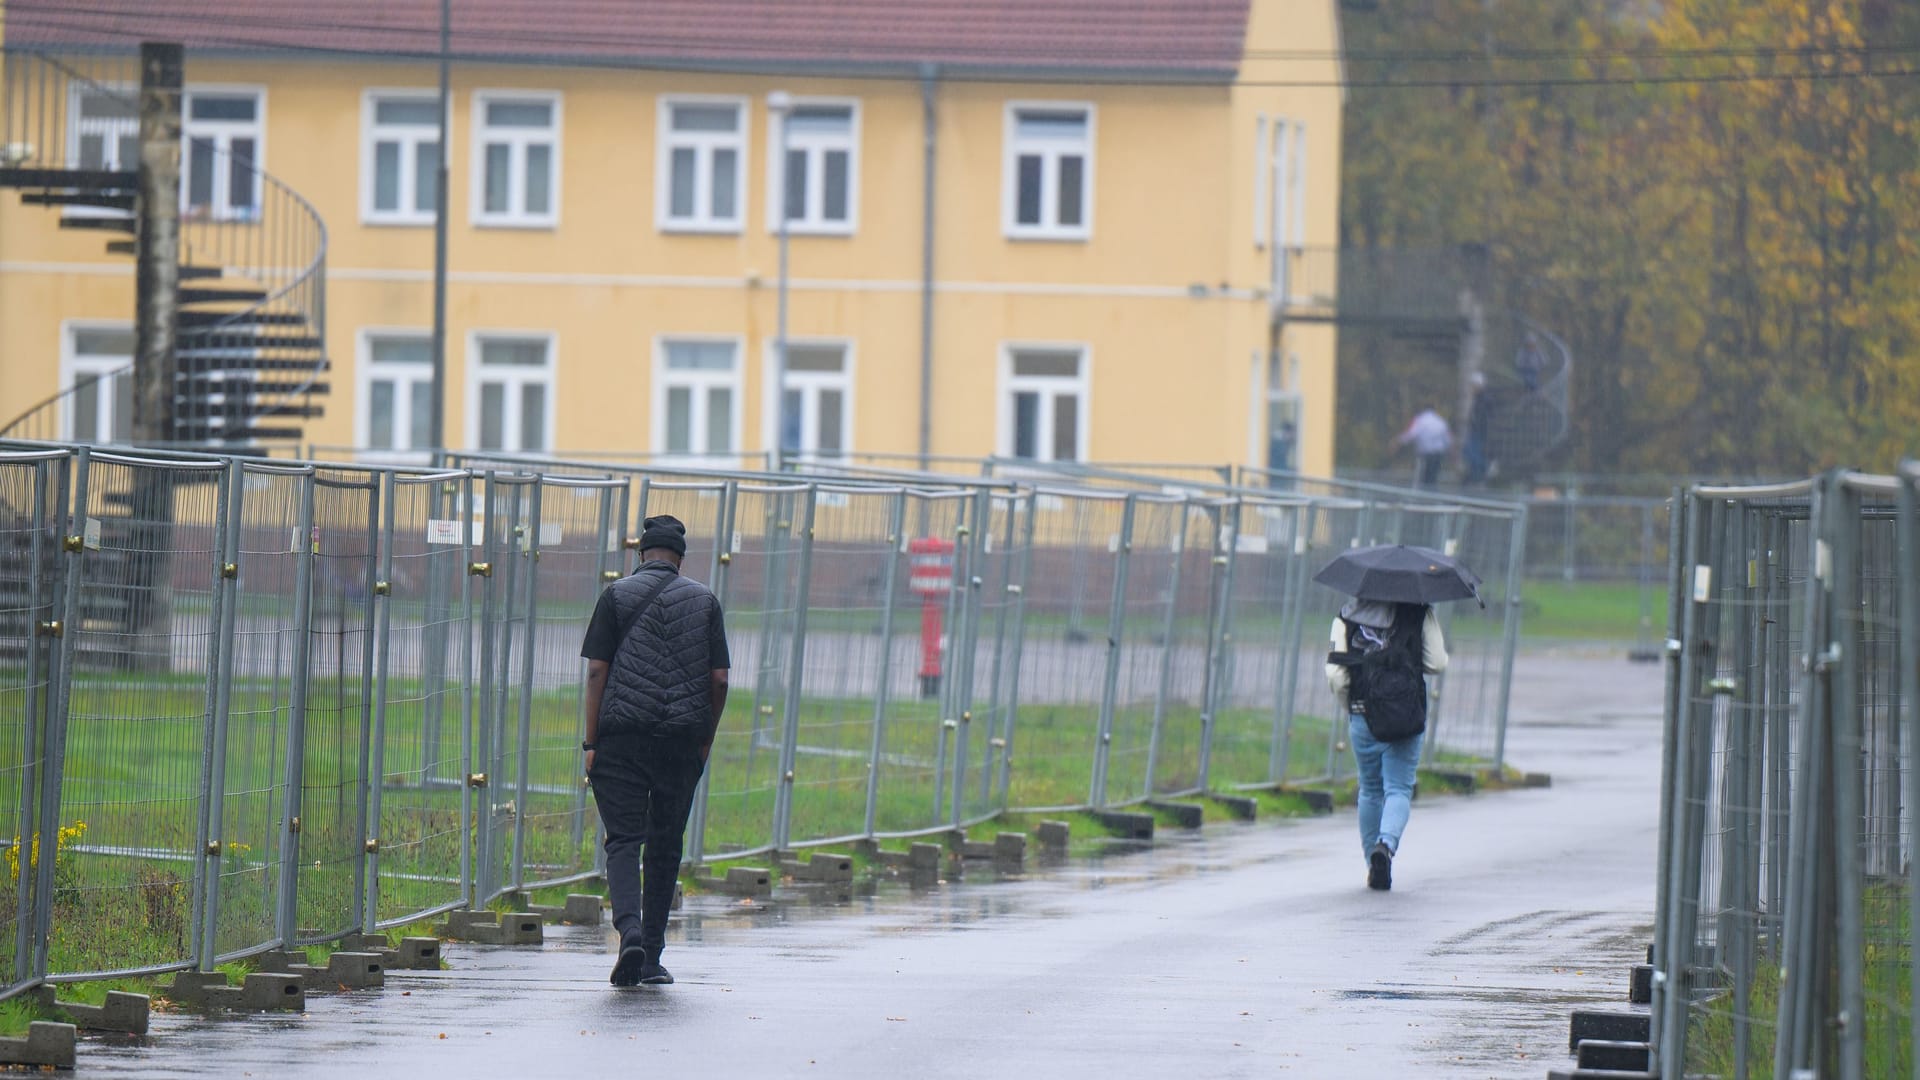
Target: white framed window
point(696, 396)
point(1048, 192)
point(1043, 402)
point(701, 165)
point(816, 399)
point(510, 391)
point(816, 181)
point(516, 158)
point(1285, 153)
point(394, 407)
point(104, 132)
point(95, 359)
point(223, 145)
point(399, 157)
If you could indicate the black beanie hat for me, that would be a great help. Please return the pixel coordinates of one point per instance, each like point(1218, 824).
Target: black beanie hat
point(664, 531)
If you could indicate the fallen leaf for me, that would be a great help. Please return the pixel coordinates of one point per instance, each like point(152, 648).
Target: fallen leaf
point(406, 993)
point(443, 1034)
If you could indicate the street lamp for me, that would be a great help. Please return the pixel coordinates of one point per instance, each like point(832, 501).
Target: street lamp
point(780, 108)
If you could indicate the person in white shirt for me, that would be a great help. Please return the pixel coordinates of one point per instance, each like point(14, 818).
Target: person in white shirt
point(1430, 438)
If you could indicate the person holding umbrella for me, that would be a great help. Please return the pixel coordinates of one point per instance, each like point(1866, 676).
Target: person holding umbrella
point(1386, 641)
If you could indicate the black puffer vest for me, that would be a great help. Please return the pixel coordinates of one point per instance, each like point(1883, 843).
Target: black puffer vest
point(658, 682)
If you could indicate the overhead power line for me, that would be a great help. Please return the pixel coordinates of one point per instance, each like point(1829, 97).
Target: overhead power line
point(1475, 70)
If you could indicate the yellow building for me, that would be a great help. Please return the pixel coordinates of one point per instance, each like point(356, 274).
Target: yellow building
point(1087, 272)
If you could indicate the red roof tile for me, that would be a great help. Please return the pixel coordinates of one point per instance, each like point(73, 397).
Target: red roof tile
point(1118, 38)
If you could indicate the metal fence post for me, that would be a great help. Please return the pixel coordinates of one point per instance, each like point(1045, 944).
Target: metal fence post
point(1165, 683)
point(1907, 572)
point(796, 674)
point(287, 915)
point(1670, 974)
point(42, 632)
point(1018, 587)
point(1844, 743)
point(1116, 632)
point(1219, 626)
point(375, 775)
point(1796, 1038)
point(54, 771)
point(482, 727)
point(1510, 630)
point(1279, 754)
point(213, 788)
point(999, 706)
point(529, 557)
point(896, 539)
point(964, 640)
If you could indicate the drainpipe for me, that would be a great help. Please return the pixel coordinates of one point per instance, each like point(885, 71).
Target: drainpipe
point(929, 74)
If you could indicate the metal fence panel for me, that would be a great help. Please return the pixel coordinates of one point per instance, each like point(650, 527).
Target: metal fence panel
point(139, 655)
point(852, 596)
point(422, 804)
point(1074, 565)
point(1260, 648)
point(33, 493)
point(577, 545)
point(762, 558)
point(336, 725)
point(998, 583)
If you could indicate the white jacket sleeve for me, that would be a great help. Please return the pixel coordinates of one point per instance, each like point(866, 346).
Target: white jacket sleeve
point(1337, 674)
point(1433, 645)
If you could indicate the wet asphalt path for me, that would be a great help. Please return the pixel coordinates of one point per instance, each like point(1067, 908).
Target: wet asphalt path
point(1243, 951)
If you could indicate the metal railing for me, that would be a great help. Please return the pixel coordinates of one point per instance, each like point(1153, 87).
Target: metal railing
point(1784, 935)
point(248, 702)
point(250, 345)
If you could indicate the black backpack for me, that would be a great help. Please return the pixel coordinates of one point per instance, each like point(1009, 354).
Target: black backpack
point(1387, 682)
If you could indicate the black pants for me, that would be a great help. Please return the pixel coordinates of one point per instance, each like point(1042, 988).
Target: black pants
point(644, 788)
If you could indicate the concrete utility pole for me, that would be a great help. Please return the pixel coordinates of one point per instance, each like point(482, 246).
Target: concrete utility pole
point(157, 243)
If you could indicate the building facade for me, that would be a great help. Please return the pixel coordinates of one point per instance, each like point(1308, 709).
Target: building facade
point(1060, 225)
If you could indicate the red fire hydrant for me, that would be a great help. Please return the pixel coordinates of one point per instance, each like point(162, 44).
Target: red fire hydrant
point(930, 573)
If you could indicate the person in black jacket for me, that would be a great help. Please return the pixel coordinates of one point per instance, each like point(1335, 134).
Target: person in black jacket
point(657, 662)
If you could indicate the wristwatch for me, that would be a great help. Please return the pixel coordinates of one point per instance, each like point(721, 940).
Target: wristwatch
point(587, 747)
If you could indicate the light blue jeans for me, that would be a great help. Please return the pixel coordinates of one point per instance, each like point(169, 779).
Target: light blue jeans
point(1387, 773)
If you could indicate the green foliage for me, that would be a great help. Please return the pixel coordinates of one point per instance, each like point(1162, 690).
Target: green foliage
point(1729, 252)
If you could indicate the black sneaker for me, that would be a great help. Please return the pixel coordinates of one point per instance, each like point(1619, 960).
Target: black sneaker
point(652, 974)
point(631, 964)
point(1380, 867)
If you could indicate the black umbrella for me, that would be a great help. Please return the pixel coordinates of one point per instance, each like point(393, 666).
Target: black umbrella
point(1400, 574)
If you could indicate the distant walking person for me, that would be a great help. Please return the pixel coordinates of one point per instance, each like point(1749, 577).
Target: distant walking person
point(1382, 653)
point(657, 662)
point(1530, 360)
point(1431, 438)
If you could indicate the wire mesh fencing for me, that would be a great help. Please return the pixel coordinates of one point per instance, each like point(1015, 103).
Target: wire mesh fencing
point(1785, 937)
point(250, 702)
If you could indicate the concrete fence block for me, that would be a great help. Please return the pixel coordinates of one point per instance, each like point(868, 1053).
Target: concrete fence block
point(1242, 807)
point(280, 959)
point(752, 882)
point(417, 954)
point(829, 867)
point(263, 991)
point(196, 988)
point(1608, 1054)
point(1053, 836)
point(122, 1012)
point(47, 1044)
point(365, 943)
point(1185, 815)
point(1608, 1026)
point(1456, 780)
point(1010, 848)
point(583, 909)
point(522, 928)
point(924, 858)
point(1126, 824)
point(1640, 986)
point(679, 896)
point(357, 970)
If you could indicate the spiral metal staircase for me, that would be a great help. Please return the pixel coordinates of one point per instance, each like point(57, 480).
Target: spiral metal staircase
point(250, 358)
